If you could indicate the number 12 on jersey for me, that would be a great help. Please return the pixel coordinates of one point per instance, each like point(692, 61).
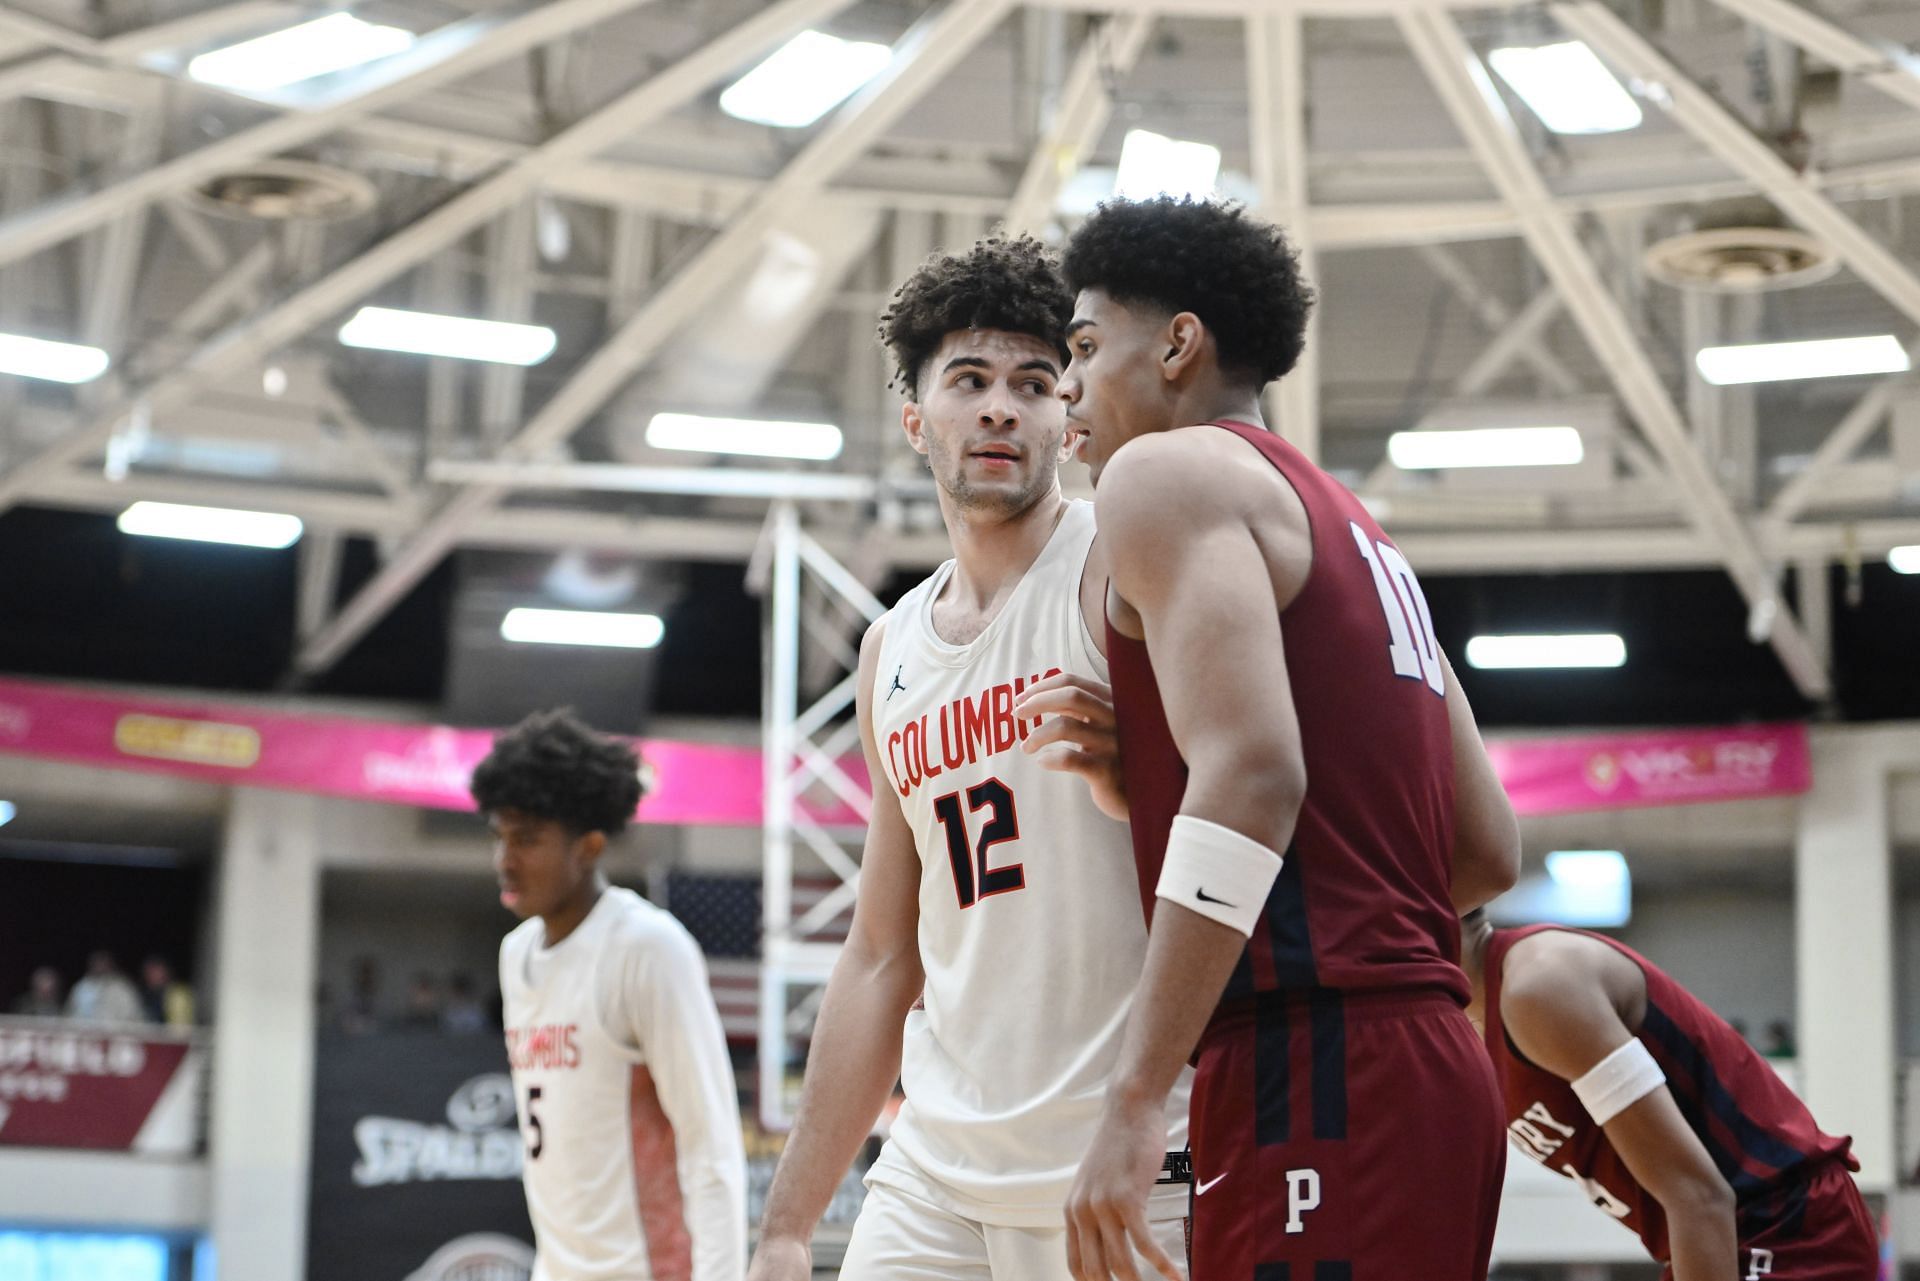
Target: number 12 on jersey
point(973, 880)
point(1411, 643)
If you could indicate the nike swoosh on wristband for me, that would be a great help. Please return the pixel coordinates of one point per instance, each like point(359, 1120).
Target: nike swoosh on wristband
point(1200, 1189)
point(1205, 897)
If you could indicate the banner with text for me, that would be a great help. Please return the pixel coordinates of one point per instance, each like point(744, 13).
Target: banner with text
point(700, 783)
point(71, 1085)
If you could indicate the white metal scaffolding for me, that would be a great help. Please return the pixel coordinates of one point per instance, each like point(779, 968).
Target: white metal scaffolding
point(801, 751)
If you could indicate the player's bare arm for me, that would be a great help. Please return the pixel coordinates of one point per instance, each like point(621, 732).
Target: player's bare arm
point(1486, 836)
point(1188, 562)
point(855, 1058)
point(1568, 1002)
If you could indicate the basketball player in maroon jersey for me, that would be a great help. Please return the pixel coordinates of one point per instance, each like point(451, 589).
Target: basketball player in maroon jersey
point(1279, 691)
point(1619, 1078)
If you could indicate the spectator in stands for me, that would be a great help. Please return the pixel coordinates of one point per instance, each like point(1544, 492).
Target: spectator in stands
point(41, 1000)
point(1780, 1041)
point(361, 1013)
point(463, 1015)
point(166, 999)
point(423, 1003)
point(105, 995)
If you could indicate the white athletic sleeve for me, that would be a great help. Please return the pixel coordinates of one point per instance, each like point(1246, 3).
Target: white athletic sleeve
point(677, 1029)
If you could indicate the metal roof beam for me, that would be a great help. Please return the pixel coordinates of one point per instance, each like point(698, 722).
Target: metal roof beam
point(413, 243)
point(1481, 115)
point(1277, 120)
point(1085, 104)
point(1888, 68)
point(1728, 138)
point(923, 56)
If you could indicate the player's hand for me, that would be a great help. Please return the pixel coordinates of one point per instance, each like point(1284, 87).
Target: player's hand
point(1107, 1209)
point(1079, 735)
point(781, 1259)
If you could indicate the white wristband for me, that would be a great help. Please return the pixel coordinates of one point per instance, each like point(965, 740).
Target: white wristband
point(1619, 1081)
point(1217, 872)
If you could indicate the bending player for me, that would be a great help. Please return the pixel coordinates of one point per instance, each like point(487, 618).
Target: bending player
point(1619, 1078)
point(1279, 693)
point(997, 921)
point(634, 1162)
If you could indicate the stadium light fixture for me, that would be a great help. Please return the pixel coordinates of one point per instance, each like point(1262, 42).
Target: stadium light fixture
point(1485, 447)
point(697, 433)
point(422, 333)
point(301, 52)
point(43, 358)
point(1772, 362)
point(582, 627)
point(803, 79)
point(1153, 164)
point(1568, 87)
point(1497, 653)
point(272, 530)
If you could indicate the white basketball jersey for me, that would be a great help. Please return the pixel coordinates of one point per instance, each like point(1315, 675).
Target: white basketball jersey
point(1031, 932)
point(626, 1100)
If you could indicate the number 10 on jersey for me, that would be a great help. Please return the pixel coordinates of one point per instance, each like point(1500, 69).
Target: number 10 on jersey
point(973, 879)
point(1411, 644)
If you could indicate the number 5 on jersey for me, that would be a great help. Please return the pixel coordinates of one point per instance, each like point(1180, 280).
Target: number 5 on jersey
point(973, 880)
point(1411, 643)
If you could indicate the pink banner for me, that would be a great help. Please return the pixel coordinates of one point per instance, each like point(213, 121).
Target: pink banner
point(1664, 767)
point(423, 765)
point(428, 765)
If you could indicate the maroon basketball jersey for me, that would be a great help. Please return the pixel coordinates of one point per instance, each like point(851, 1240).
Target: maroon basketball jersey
point(1363, 898)
point(1760, 1135)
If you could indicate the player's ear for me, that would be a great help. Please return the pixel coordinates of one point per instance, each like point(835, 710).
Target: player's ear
point(1185, 336)
point(592, 846)
point(913, 426)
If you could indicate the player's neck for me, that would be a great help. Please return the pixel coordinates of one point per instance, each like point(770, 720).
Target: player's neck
point(991, 556)
point(565, 920)
point(1210, 401)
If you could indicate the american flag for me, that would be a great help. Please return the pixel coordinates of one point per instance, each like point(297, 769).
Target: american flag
point(723, 915)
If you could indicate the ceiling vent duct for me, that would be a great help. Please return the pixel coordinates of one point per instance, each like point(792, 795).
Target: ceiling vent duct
point(286, 190)
point(1741, 260)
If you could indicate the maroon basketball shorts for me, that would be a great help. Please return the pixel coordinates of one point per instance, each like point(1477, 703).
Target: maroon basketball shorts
point(1818, 1229)
point(1345, 1138)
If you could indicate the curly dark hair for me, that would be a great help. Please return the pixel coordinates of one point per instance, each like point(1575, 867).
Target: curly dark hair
point(553, 765)
point(1009, 284)
point(1238, 274)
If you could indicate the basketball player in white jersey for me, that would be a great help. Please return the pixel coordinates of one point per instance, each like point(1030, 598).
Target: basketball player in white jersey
point(998, 931)
point(634, 1168)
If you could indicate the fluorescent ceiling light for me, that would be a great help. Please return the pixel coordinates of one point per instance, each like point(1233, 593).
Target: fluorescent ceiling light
point(1485, 447)
point(1588, 869)
point(582, 627)
point(702, 435)
point(1577, 650)
point(1905, 560)
point(1569, 88)
point(211, 524)
point(463, 338)
point(1772, 362)
point(803, 79)
point(297, 53)
point(1152, 164)
point(7, 811)
point(59, 362)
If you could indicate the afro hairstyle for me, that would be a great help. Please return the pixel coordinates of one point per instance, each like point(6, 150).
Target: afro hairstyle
point(1238, 274)
point(553, 765)
point(1008, 284)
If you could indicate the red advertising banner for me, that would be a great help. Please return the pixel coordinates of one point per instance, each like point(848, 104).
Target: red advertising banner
point(69, 1085)
point(700, 783)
